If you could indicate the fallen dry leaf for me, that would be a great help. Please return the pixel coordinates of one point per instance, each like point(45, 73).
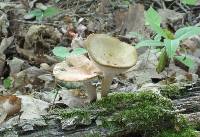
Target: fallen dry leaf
point(134, 21)
point(9, 106)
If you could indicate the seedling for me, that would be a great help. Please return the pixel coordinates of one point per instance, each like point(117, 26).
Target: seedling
point(63, 52)
point(40, 14)
point(189, 2)
point(7, 83)
point(171, 42)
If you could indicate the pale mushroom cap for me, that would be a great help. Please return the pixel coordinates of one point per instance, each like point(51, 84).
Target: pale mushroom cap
point(111, 52)
point(78, 68)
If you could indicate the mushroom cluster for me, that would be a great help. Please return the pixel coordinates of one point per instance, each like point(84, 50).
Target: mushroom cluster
point(108, 56)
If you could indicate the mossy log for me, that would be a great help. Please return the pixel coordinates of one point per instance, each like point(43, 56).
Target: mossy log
point(123, 114)
point(188, 104)
point(185, 99)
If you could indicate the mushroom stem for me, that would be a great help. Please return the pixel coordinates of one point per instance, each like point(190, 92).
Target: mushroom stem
point(91, 91)
point(105, 85)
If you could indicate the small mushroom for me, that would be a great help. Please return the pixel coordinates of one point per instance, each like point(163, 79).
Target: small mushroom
point(111, 56)
point(78, 69)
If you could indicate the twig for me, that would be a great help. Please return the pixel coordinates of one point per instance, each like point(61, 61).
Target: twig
point(53, 103)
point(172, 4)
point(34, 22)
point(181, 6)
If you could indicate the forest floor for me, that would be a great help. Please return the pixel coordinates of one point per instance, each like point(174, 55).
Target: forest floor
point(36, 35)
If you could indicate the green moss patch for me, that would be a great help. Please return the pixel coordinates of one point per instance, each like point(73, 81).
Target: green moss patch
point(188, 132)
point(172, 91)
point(144, 114)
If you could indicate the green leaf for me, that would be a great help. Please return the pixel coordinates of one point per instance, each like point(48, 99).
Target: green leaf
point(159, 30)
point(36, 13)
point(162, 62)
point(51, 11)
point(63, 52)
point(60, 52)
point(76, 52)
point(154, 20)
point(189, 2)
point(149, 43)
point(57, 1)
point(186, 32)
point(126, 2)
point(186, 60)
point(158, 37)
point(171, 47)
point(169, 34)
point(152, 16)
point(7, 83)
point(39, 14)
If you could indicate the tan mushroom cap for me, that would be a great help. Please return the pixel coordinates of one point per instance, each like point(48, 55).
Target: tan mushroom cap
point(111, 52)
point(77, 68)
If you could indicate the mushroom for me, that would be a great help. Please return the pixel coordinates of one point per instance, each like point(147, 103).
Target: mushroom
point(78, 69)
point(111, 56)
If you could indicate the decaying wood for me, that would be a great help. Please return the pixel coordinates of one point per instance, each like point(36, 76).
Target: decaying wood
point(193, 118)
point(190, 104)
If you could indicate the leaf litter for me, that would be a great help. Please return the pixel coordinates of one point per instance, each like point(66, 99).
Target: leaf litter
point(35, 35)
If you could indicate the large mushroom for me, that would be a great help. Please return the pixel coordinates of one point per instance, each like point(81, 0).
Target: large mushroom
point(78, 69)
point(111, 56)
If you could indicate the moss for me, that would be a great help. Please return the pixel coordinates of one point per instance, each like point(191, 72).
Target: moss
point(182, 129)
point(122, 101)
point(80, 116)
point(72, 112)
point(188, 132)
point(172, 91)
point(143, 113)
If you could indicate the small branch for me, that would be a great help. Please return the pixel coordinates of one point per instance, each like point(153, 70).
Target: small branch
point(34, 22)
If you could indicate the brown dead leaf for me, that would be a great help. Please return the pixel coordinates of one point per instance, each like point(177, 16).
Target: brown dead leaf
point(171, 18)
point(190, 45)
point(135, 20)
point(5, 43)
point(28, 53)
point(9, 106)
point(103, 7)
point(35, 58)
point(119, 18)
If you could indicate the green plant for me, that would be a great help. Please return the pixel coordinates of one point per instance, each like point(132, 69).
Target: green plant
point(172, 91)
point(126, 2)
point(40, 14)
point(189, 132)
point(56, 1)
point(189, 2)
point(171, 42)
point(144, 113)
point(7, 83)
point(63, 52)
